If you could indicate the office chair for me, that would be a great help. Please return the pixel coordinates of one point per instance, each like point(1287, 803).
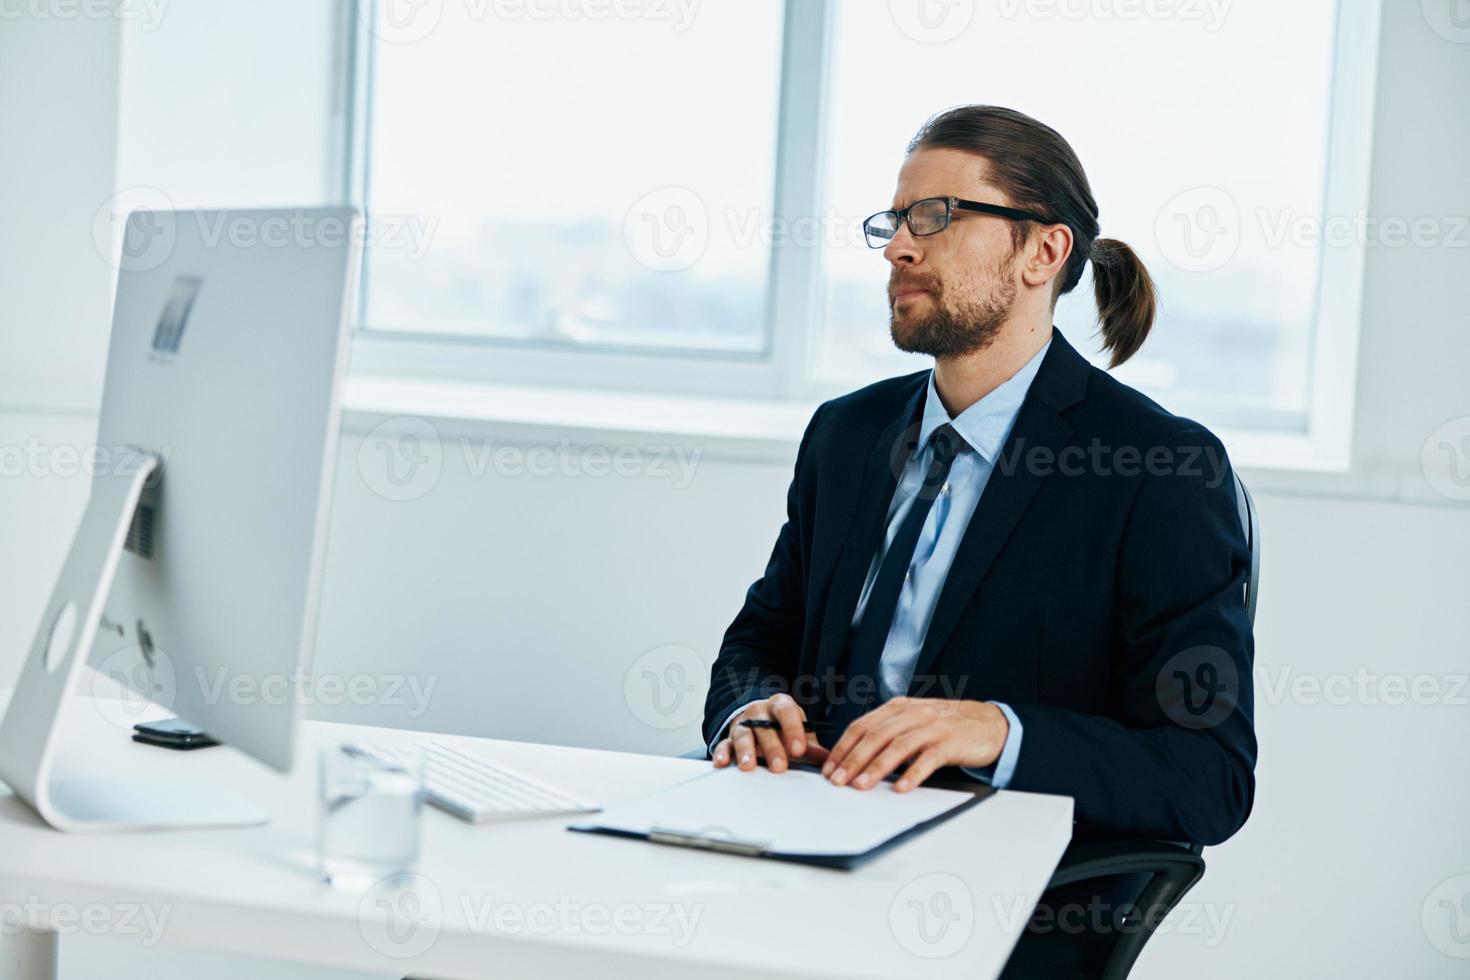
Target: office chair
point(1173, 868)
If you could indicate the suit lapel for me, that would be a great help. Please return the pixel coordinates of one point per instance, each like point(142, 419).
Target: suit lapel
point(1059, 384)
point(879, 481)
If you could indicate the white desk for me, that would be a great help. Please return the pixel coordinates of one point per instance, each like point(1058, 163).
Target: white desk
point(522, 899)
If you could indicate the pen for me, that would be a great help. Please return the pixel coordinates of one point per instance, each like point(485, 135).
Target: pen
point(767, 723)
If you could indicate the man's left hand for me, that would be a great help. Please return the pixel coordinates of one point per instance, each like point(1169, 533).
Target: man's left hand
point(925, 733)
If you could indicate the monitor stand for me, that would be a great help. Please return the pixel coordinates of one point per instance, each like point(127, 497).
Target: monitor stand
point(29, 731)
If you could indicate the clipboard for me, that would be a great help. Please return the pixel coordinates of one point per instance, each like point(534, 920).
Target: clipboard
point(749, 814)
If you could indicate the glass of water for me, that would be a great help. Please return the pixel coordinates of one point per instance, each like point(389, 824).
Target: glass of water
point(370, 815)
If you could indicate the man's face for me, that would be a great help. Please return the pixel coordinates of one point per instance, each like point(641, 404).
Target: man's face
point(950, 293)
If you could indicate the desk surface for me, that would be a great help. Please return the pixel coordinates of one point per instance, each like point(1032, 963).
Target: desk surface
point(527, 898)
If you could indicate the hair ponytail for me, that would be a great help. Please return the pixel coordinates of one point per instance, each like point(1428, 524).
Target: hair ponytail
point(1126, 301)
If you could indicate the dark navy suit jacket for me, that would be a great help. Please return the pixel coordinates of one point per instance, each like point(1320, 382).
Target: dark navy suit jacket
point(1098, 590)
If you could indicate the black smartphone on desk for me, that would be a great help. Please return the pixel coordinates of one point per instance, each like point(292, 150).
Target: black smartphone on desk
point(172, 733)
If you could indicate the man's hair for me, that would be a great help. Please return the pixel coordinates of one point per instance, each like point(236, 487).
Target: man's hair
point(1038, 171)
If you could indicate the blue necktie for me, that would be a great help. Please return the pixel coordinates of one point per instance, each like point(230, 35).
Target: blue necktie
point(859, 683)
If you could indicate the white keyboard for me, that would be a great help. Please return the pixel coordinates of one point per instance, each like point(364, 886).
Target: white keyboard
point(468, 786)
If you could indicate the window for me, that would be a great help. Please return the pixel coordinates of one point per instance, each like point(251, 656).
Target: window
point(687, 219)
point(1171, 165)
point(574, 180)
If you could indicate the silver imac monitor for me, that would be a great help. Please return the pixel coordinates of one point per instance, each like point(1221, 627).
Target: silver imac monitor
point(194, 575)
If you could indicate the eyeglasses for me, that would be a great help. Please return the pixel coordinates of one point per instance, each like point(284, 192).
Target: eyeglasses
point(932, 215)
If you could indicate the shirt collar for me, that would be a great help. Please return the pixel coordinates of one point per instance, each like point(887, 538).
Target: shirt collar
point(985, 424)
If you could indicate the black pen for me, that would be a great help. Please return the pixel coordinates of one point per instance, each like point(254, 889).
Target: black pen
point(767, 723)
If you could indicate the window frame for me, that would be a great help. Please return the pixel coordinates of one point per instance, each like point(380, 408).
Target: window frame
point(795, 303)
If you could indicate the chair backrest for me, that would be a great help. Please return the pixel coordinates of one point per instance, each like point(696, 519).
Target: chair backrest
point(1251, 524)
point(1174, 867)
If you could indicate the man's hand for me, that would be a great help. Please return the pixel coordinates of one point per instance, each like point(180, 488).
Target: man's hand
point(925, 733)
point(744, 744)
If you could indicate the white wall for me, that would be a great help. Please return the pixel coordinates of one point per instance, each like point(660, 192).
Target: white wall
point(530, 601)
point(1360, 807)
point(58, 126)
point(231, 104)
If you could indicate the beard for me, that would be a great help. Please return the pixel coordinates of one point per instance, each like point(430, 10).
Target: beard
point(950, 329)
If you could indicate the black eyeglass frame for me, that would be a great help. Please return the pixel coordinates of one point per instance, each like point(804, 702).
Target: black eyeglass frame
point(951, 204)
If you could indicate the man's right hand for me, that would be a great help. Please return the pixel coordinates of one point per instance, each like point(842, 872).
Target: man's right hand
point(744, 745)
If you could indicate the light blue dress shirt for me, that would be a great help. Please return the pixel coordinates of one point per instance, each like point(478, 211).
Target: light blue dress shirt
point(984, 426)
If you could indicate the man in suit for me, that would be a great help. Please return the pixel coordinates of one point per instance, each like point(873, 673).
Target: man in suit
point(1012, 568)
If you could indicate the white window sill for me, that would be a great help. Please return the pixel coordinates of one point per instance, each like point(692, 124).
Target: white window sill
point(756, 430)
point(769, 430)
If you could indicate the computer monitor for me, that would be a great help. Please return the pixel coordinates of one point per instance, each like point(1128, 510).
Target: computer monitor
point(195, 572)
